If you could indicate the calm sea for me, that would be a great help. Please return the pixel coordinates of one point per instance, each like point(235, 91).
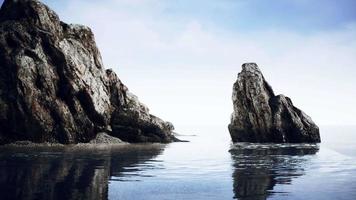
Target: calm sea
point(207, 167)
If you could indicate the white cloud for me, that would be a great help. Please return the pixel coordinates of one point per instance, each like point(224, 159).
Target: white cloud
point(184, 70)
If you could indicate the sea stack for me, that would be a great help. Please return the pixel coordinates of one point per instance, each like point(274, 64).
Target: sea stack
point(261, 116)
point(54, 88)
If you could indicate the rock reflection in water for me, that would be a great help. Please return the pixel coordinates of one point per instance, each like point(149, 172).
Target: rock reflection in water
point(67, 173)
point(259, 167)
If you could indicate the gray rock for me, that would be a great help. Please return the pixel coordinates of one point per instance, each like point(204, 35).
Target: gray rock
point(54, 88)
point(104, 138)
point(260, 116)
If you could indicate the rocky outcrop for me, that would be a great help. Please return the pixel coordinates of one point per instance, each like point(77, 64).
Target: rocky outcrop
point(260, 116)
point(54, 88)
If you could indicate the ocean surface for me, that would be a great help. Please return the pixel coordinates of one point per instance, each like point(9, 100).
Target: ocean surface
point(207, 167)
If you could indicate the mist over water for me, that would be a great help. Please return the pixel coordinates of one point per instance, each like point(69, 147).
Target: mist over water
point(207, 167)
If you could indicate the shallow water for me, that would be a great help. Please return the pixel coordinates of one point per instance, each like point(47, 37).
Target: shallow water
point(208, 167)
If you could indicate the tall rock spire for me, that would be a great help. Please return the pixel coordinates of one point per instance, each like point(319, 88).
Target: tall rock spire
point(260, 116)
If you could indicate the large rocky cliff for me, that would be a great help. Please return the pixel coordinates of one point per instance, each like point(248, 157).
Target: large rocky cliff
point(54, 88)
point(261, 116)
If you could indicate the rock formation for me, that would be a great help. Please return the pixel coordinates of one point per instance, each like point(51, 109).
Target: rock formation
point(54, 88)
point(260, 116)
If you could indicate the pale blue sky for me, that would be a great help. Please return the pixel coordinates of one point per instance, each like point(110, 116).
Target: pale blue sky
point(297, 15)
point(182, 57)
point(245, 15)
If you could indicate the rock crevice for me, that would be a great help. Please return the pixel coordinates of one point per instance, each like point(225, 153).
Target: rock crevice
point(261, 116)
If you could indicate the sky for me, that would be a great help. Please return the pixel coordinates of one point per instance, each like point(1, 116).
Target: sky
point(182, 57)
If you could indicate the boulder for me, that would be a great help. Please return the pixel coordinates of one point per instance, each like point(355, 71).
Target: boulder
point(261, 116)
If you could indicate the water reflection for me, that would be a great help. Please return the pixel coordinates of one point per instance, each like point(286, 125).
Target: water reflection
point(68, 173)
point(259, 168)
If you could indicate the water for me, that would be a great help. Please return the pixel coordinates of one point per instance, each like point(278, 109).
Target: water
point(208, 167)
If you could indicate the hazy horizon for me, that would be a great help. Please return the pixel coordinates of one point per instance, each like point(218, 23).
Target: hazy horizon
point(181, 61)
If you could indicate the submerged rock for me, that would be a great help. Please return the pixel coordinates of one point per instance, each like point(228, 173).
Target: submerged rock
point(104, 138)
point(260, 116)
point(54, 88)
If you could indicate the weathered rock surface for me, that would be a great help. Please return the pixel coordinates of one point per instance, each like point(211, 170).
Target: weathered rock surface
point(54, 88)
point(104, 138)
point(260, 116)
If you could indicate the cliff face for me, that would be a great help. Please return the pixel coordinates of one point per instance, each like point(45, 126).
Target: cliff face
point(260, 116)
point(54, 88)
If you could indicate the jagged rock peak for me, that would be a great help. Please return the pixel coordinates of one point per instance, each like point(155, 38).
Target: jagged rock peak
point(33, 12)
point(54, 88)
point(260, 116)
point(26, 10)
point(250, 67)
